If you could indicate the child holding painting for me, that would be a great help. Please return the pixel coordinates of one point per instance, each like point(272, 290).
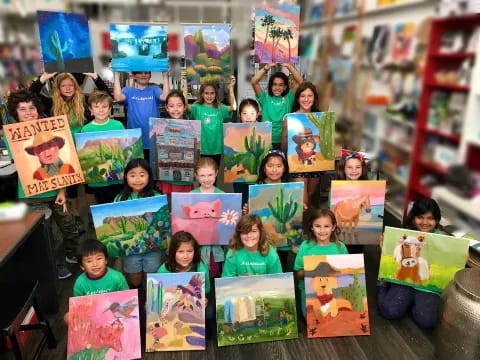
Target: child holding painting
point(395, 300)
point(138, 183)
point(321, 238)
point(277, 101)
point(249, 251)
point(100, 105)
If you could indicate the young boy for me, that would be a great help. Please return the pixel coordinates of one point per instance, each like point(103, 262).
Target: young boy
point(142, 101)
point(100, 104)
point(25, 106)
point(97, 278)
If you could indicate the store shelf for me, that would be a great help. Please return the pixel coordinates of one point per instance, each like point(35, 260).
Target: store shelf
point(451, 137)
point(467, 206)
point(458, 55)
point(433, 166)
point(398, 121)
point(406, 149)
point(448, 86)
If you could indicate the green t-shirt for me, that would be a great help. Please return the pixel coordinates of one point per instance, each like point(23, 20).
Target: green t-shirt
point(243, 262)
point(133, 196)
point(111, 281)
point(75, 126)
point(216, 191)
point(274, 109)
point(201, 268)
point(312, 248)
point(211, 142)
point(109, 125)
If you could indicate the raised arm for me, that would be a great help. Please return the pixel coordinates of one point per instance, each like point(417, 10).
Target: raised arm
point(166, 86)
point(183, 81)
point(99, 83)
point(296, 75)
point(231, 94)
point(117, 89)
point(257, 77)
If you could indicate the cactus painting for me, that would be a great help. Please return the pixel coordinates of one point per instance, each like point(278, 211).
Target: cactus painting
point(280, 206)
point(245, 145)
point(311, 142)
point(65, 42)
point(336, 296)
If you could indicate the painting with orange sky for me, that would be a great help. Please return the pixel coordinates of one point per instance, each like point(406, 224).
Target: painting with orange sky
point(276, 33)
point(244, 146)
point(358, 207)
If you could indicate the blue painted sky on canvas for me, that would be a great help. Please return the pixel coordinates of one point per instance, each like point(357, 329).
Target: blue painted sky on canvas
point(120, 31)
point(173, 278)
point(213, 34)
point(82, 138)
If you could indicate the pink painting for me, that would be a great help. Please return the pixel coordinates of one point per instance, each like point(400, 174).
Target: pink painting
point(104, 326)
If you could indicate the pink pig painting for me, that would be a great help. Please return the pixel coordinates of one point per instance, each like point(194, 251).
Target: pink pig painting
point(200, 220)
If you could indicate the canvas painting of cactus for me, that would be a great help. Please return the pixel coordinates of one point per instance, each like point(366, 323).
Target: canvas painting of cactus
point(139, 47)
point(104, 326)
point(207, 53)
point(103, 155)
point(174, 148)
point(244, 146)
point(175, 311)
point(210, 218)
point(133, 226)
point(311, 142)
point(277, 28)
point(280, 206)
point(65, 42)
point(336, 296)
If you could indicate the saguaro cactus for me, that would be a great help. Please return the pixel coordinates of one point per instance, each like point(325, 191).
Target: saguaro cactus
point(255, 147)
point(283, 212)
point(326, 127)
point(57, 50)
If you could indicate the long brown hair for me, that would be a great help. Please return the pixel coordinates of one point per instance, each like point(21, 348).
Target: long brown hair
point(314, 215)
point(244, 226)
point(179, 238)
point(65, 107)
point(216, 103)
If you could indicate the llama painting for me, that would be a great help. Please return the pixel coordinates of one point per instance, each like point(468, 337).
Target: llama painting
point(280, 206)
point(277, 30)
point(245, 145)
point(104, 326)
point(311, 142)
point(358, 207)
point(175, 312)
point(422, 260)
point(336, 296)
point(210, 218)
point(252, 309)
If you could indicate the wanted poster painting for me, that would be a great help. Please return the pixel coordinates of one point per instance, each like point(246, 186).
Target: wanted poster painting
point(44, 154)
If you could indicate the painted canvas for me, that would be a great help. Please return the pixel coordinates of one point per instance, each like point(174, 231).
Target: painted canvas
point(175, 312)
point(210, 218)
point(402, 41)
point(277, 29)
point(44, 154)
point(174, 148)
point(421, 260)
point(358, 207)
point(139, 47)
point(104, 326)
point(207, 53)
point(133, 226)
point(244, 146)
point(103, 155)
point(336, 296)
point(311, 142)
point(252, 309)
point(280, 206)
point(65, 42)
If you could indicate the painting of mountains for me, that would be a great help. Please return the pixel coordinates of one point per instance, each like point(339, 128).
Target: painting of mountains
point(276, 33)
point(207, 53)
point(103, 155)
point(133, 226)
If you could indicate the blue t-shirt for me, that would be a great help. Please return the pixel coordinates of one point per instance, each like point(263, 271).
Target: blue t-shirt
point(142, 104)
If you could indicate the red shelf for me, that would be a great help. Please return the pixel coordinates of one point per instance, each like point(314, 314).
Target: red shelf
point(422, 190)
point(448, 86)
point(451, 137)
point(457, 55)
point(432, 166)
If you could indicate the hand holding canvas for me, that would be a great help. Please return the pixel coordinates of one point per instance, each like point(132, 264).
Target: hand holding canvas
point(46, 76)
point(61, 200)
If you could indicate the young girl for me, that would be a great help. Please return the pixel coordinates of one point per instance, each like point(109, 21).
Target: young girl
point(273, 169)
point(321, 238)
point(138, 183)
point(249, 250)
point(212, 113)
point(278, 100)
point(352, 167)
point(176, 107)
point(394, 300)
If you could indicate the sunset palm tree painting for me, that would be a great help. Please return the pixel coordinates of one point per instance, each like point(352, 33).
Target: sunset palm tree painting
point(276, 33)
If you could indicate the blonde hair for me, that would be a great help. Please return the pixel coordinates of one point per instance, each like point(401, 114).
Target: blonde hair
point(244, 226)
point(205, 161)
point(75, 104)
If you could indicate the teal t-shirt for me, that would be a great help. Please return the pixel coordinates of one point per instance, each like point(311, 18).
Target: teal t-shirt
point(133, 196)
point(274, 109)
point(216, 191)
point(111, 281)
point(109, 125)
point(201, 268)
point(211, 142)
point(312, 248)
point(243, 262)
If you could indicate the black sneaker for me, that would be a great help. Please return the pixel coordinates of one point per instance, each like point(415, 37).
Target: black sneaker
point(71, 259)
point(63, 272)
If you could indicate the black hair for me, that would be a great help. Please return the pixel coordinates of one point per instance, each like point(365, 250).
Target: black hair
point(147, 191)
point(23, 95)
point(282, 76)
point(301, 88)
point(176, 93)
point(261, 169)
point(179, 238)
point(250, 102)
point(91, 247)
point(420, 207)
